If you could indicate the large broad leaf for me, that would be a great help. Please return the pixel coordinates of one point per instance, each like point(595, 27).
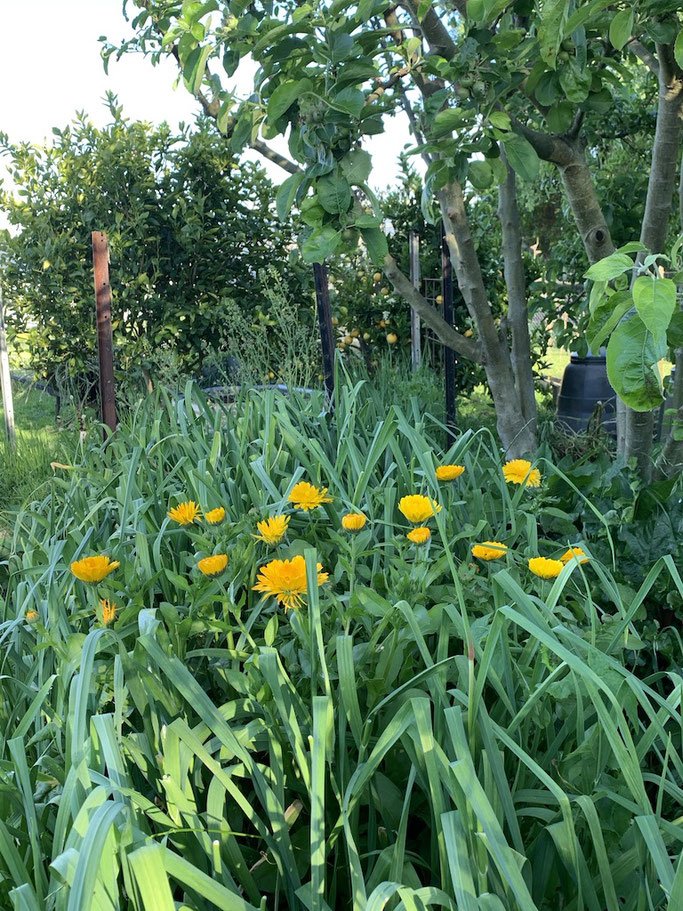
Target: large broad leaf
point(376, 243)
point(674, 335)
point(620, 28)
point(285, 195)
point(655, 300)
point(320, 244)
point(606, 317)
point(678, 49)
point(633, 355)
point(194, 65)
point(356, 166)
point(608, 268)
point(349, 100)
point(480, 174)
point(551, 29)
point(285, 95)
point(522, 157)
point(334, 194)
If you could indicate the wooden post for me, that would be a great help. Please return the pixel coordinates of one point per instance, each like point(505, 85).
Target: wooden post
point(448, 353)
point(415, 341)
point(322, 297)
point(6, 381)
point(105, 345)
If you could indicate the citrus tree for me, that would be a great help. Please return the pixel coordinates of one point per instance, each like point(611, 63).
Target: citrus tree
point(189, 229)
point(490, 88)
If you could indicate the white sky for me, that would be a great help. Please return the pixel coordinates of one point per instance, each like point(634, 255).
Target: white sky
point(50, 67)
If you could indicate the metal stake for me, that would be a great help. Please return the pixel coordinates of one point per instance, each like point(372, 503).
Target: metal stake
point(415, 341)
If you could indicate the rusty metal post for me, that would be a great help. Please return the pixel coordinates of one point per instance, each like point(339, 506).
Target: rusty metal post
point(448, 353)
point(6, 381)
point(105, 345)
point(415, 341)
point(322, 297)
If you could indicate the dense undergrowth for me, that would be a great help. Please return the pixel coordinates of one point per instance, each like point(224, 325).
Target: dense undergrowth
point(427, 729)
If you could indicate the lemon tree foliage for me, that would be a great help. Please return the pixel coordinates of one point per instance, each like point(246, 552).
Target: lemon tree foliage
point(491, 89)
point(189, 229)
point(219, 692)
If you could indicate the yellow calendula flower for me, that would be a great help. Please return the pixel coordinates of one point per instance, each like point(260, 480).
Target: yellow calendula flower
point(273, 529)
point(519, 471)
point(419, 535)
point(575, 553)
point(544, 568)
point(449, 472)
point(489, 550)
point(215, 516)
point(213, 566)
point(93, 569)
point(305, 496)
point(31, 615)
point(286, 581)
point(353, 521)
point(184, 513)
point(417, 508)
point(108, 611)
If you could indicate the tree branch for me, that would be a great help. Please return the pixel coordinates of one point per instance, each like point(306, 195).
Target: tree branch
point(430, 315)
point(642, 53)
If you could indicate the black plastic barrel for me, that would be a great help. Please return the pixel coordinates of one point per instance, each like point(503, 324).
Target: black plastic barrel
point(585, 387)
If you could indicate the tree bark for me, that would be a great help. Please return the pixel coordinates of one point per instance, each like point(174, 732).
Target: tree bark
point(639, 426)
point(515, 432)
point(580, 189)
point(518, 316)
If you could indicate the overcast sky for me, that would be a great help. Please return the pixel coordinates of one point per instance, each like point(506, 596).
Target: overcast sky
point(50, 67)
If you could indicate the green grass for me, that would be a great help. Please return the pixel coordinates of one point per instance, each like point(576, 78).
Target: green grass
point(427, 730)
point(39, 442)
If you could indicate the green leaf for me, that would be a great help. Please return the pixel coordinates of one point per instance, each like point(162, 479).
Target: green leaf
point(560, 117)
point(320, 244)
point(551, 29)
point(194, 65)
point(350, 100)
point(285, 195)
point(621, 27)
point(334, 194)
point(609, 267)
point(576, 83)
point(285, 95)
point(522, 157)
point(500, 120)
point(447, 121)
point(480, 174)
point(376, 242)
point(356, 166)
point(674, 335)
point(655, 300)
point(606, 317)
point(633, 355)
point(678, 49)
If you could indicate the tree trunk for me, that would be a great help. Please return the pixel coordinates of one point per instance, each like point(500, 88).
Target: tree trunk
point(583, 200)
point(518, 316)
point(639, 426)
point(515, 432)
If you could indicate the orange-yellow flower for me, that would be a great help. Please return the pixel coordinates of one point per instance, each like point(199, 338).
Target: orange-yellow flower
point(286, 581)
point(31, 615)
point(184, 513)
point(544, 568)
point(215, 516)
point(273, 529)
point(93, 569)
point(449, 472)
point(305, 496)
point(489, 550)
point(354, 521)
point(417, 508)
point(419, 535)
point(519, 471)
point(213, 566)
point(575, 553)
point(108, 611)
